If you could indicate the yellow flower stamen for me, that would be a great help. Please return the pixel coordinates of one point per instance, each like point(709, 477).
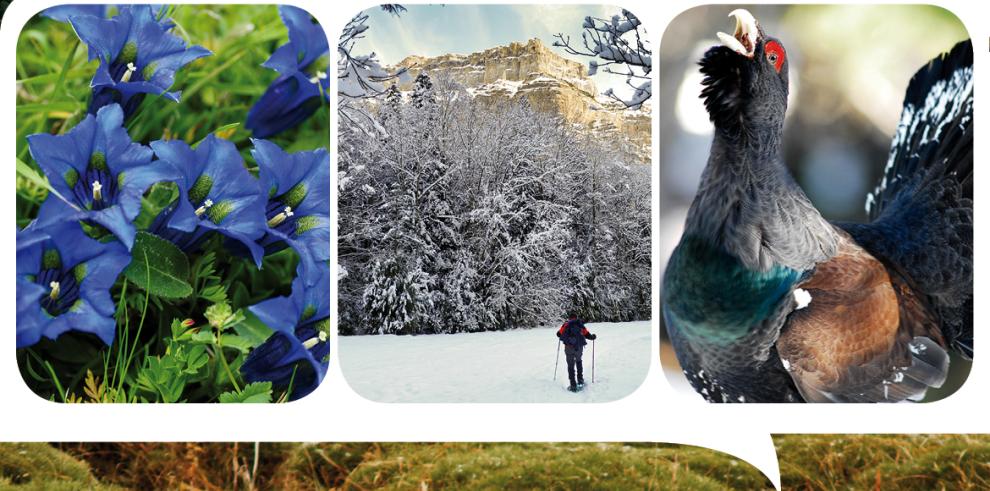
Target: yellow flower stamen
point(202, 209)
point(309, 343)
point(127, 75)
point(55, 290)
point(319, 76)
point(97, 191)
point(278, 219)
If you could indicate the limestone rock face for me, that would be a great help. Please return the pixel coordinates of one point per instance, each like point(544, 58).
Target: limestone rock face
point(549, 82)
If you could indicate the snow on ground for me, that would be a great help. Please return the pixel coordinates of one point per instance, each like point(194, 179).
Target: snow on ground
point(506, 366)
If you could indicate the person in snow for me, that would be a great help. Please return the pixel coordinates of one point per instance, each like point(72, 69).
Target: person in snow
point(573, 334)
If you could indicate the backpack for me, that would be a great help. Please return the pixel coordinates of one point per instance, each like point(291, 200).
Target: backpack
point(573, 333)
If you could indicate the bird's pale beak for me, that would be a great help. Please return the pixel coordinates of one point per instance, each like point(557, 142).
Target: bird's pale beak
point(743, 40)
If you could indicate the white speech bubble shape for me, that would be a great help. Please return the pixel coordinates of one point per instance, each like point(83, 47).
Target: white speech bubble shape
point(747, 444)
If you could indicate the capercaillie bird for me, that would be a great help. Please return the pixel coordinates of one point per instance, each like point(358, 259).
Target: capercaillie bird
point(765, 300)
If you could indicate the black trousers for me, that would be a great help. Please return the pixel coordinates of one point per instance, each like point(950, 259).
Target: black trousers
point(573, 355)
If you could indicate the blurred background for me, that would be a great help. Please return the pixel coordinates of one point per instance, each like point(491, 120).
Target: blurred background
point(849, 68)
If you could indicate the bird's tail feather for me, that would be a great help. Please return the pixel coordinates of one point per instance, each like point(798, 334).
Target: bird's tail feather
point(922, 211)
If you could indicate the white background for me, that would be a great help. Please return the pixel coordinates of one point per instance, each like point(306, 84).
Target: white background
point(656, 412)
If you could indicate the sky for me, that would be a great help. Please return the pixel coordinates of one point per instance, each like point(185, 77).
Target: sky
point(432, 30)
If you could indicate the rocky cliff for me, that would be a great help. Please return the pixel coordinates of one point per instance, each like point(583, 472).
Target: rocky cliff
point(550, 82)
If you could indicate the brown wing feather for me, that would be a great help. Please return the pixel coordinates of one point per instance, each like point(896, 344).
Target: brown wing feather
point(865, 337)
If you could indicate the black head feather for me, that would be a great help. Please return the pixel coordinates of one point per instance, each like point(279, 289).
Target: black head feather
point(742, 92)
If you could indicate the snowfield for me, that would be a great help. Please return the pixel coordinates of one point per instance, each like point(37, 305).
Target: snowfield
point(506, 366)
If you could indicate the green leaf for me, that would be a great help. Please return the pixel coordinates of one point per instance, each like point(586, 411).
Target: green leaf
point(32, 176)
point(196, 358)
point(253, 330)
point(238, 343)
point(203, 337)
point(220, 132)
point(159, 197)
point(163, 376)
point(252, 393)
point(159, 267)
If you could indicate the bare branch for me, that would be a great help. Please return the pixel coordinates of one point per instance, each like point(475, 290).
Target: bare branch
point(611, 43)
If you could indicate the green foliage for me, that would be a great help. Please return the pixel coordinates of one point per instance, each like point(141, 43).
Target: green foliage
point(159, 197)
point(252, 393)
point(165, 377)
point(33, 177)
point(159, 267)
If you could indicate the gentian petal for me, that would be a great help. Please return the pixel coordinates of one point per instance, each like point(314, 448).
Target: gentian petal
point(62, 158)
point(307, 176)
point(314, 252)
point(307, 42)
point(116, 221)
point(279, 313)
point(86, 269)
point(218, 169)
point(137, 53)
point(315, 293)
point(62, 13)
point(288, 101)
point(30, 319)
point(97, 150)
point(83, 318)
point(283, 60)
point(295, 319)
point(282, 359)
point(105, 37)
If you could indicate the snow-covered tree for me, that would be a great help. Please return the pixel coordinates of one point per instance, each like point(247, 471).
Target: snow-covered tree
point(619, 46)
point(464, 216)
point(360, 76)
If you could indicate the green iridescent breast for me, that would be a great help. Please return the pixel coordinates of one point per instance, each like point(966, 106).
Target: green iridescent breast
point(709, 294)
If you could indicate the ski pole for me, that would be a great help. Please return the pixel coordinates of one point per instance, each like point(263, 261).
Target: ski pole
point(592, 361)
point(555, 363)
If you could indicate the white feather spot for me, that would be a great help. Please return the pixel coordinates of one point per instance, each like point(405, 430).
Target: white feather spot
point(802, 297)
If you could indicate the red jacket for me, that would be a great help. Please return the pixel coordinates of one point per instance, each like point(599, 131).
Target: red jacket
point(573, 333)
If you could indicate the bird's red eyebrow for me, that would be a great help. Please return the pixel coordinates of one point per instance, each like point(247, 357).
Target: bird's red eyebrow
point(776, 48)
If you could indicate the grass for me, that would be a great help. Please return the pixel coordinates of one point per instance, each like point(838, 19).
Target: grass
point(807, 462)
point(514, 466)
point(359, 466)
point(902, 462)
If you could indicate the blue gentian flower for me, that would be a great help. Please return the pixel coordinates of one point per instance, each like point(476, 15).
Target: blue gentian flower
point(63, 283)
point(216, 193)
point(62, 13)
point(288, 101)
point(298, 351)
point(295, 95)
point(137, 56)
point(297, 187)
point(29, 292)
point(307, 42)
point(99, 170)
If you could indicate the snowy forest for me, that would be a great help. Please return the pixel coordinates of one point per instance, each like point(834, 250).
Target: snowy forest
point(457, 215)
